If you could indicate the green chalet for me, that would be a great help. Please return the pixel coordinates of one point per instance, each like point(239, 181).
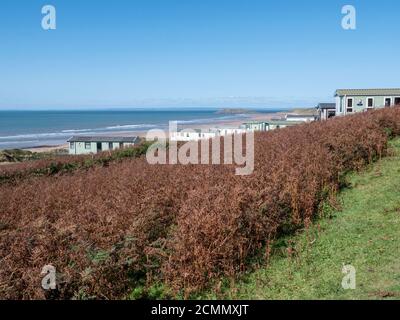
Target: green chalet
point(95, 144)
point(358, 100)
point(255, 126)
point(268, 125)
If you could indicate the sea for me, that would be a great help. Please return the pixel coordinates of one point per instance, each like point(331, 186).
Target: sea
point(35, 128)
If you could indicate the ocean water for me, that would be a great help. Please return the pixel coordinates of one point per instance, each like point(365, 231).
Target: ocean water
point(25, 129)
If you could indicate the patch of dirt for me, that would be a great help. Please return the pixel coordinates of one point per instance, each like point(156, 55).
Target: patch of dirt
point(385, 294)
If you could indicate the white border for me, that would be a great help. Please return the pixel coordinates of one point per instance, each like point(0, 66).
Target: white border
point(347, 105)
point(373, 102)
point(384, 101)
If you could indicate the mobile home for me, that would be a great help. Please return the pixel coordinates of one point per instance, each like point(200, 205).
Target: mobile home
point(326, 111)
point(349, 101)
point(88, 145)
point(192, 135)
point(255, 126)
point(300, 117)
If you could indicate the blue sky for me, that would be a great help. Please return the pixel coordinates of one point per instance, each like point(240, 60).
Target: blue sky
point(193, 53)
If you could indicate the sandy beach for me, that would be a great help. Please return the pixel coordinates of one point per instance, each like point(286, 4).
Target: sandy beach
point(43, 149)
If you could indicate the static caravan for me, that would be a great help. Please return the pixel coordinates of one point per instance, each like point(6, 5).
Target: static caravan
point(326, 111)
point(255, 126)
point(300, 117)
point(349, 101)
point(192, 135)
point(91, 145)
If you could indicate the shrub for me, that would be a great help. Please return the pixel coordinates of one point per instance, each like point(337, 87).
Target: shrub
point(130, 224)
point(51, 165)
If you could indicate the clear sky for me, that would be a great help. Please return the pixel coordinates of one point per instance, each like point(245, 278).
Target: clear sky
point(194, 52)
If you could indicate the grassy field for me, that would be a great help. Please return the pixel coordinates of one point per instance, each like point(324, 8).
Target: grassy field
point(364, 233)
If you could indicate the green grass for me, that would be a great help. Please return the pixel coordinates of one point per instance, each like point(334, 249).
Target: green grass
point(364, 233)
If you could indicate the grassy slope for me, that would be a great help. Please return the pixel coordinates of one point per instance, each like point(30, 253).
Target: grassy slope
point(365, 234)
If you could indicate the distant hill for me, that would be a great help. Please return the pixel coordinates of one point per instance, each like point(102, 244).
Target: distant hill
point(234, 111)
point(304, 111)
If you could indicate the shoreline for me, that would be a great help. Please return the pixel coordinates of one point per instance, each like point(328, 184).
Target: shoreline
point(142, 134)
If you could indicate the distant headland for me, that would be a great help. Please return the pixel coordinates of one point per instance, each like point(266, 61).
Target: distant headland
point(235, 111)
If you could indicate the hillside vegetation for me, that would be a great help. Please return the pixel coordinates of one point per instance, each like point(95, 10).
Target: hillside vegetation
point(50, 164)
point(363, 233)
point(19, 155)
point(109, 229)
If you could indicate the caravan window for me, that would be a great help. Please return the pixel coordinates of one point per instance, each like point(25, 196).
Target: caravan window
point(350, 105)
point(370, 102)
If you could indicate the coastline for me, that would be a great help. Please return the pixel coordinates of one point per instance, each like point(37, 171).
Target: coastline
point(142, 134)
